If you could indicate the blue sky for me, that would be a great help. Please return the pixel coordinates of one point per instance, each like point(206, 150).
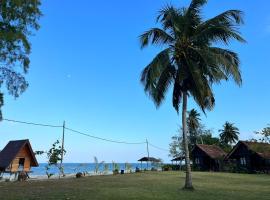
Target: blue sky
point(85, 68)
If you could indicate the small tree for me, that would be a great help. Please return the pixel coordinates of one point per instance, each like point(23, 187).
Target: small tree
point(54, 158)
point(106, 168)
point(175, 147)
point(97, 164)
point(207, 138)
point(265, 134)
point(115, 168)
point(203, 136)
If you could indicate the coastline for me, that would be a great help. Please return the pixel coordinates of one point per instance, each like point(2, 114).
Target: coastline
point(8, 178)
point(67, 176)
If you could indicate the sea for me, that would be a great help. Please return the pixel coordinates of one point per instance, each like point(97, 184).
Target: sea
point(73, 168)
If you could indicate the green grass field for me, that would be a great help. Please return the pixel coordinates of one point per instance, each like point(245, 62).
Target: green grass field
point(151, 185)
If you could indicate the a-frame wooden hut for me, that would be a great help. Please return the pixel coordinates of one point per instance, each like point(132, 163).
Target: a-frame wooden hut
point(17, 156)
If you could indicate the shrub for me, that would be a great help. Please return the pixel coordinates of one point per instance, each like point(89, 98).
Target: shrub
point(170, 167)
point(79, 175)
point(137, 170)
point(115, 172)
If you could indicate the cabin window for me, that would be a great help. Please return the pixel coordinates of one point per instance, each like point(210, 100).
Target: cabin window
point(21, 164)
point(197, 161)
point(243, 161)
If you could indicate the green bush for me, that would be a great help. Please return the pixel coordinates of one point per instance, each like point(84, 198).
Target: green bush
point(170, 167)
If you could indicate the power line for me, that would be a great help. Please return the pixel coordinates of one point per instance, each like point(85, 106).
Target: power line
point(104, 139)
point(162, 149)
point(31, 123)
point(84, 134)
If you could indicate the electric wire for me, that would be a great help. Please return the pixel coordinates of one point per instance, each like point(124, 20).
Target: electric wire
point(31, 123)
point(84, 134)
point(162, 149)
point(104, 139)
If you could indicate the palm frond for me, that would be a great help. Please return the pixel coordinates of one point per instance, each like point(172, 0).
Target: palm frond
point(193, 13)
point(171, 19)
point(230, 62)
point(227, 17)
point(166, 78)
point(209, 64)
point(155, 36)
point(199, 86)
point(196, 5)
point(177, 94)
point(152, 72)
point(221, 28)
point(220, 64)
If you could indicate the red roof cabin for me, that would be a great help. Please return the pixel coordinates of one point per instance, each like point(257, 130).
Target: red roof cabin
point(17, 156)
point(207, 157)
point(250, 157)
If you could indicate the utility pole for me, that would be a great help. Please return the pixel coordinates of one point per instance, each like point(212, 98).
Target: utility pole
point(63, 142)
point(147, 147)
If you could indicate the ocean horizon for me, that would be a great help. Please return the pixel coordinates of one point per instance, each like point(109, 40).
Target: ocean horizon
point(73, 168)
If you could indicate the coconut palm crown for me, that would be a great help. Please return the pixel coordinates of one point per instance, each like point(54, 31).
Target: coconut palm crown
point(193, 119)
point(191, 59)
point(193, 124)
point(229, 134)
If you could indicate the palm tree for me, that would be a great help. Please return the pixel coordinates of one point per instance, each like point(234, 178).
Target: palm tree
point(193, 124)
point(189, 61)
point(229, 134)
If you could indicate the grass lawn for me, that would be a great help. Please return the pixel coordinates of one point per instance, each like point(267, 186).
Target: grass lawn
point(150, 185)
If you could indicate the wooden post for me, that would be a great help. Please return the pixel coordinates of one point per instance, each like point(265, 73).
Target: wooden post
point(147, 147)
point(63, 142)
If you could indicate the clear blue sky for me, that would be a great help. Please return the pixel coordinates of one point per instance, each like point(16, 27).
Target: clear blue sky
point(85, 68)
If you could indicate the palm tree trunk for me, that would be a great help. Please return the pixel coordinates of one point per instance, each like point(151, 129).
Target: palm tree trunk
point(188, 183)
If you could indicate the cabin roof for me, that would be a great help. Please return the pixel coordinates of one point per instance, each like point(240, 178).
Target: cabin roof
point(150, 159)
point(260, 148)
point(213, 151)
point(10, 151)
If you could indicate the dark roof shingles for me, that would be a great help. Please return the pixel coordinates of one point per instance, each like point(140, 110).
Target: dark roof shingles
point(212, 151)
point(262, 149)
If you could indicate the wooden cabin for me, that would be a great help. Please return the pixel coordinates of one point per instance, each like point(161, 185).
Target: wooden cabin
point(207, 157)
point(250, 156)
point(17, 156)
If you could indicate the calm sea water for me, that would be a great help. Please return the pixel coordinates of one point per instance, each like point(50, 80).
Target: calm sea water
point(72, 168)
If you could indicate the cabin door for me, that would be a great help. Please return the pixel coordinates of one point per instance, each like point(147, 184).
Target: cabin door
point(21, 164)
